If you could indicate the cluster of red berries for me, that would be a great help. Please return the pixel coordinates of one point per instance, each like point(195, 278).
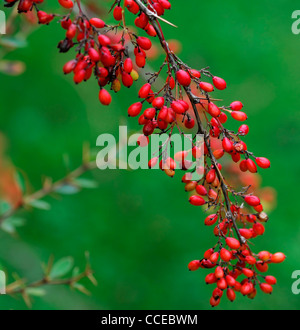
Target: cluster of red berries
point(184, 101)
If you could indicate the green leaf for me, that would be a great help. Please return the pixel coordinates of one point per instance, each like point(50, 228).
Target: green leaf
point(81, 288)
point(86, 183)
point(61, 267)
point(10, 224)
point(13, 42)
point(67, 190)
point(37, 292)
point(39, 204)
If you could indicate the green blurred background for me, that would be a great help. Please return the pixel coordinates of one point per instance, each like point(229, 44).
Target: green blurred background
point(138, 226)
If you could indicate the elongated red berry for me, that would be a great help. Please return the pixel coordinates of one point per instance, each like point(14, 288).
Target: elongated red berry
point(183, 78)
point(233, 243)
point(211, 220)
point(252, 200)
point(144, 43)
point(251, 166)
point(97, 23)
point(104, 97)
point(227, 145)
point(236, 106)
point(207, 87)
point(219, 83)
point(213, 110)
point(225, 255)
point(263, 162)
point(135, 109)
point(239, 116)
point(266, 288)
point(144, 91)
point(278, 258)
point(194, 265)
point(196, 200)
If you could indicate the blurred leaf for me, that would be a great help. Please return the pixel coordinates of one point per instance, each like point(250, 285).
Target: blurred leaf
point(4, 206)
point(12, 68)
point(61, 267)
point(86, 183)
point(13, 42)
point(39, 204)
point(67, 190)
point(81, 288)
point(75, 272)
point(9, 225)
point(37, 292)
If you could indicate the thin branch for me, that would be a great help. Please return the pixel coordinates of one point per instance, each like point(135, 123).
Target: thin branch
point(194, 100)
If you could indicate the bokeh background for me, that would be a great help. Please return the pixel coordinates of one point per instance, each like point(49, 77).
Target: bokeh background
point(137, 225)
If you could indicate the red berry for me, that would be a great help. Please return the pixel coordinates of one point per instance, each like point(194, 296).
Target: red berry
point(194, 265)
point(239, 116)
point(135, 109)
point(278, 258)
point(263, 162)
point(233, 243)
point(183, 78)
point(144, 43)
point(207, 87)
point(197, 200)
point(252, 200)
point(219, 83)
point(236, 106)
point(104, 97)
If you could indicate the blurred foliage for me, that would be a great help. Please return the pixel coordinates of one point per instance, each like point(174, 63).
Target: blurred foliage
point(138, 226)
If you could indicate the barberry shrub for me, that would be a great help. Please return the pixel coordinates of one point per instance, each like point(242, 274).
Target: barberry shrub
point(114, 55)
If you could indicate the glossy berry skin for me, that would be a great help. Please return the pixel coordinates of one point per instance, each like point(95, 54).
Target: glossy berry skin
point(135, 109)
point(197, 200)
point(183, 78)
point(104, 97)
point(194, 265)
point(263, 162)
point(207, 87)
point(233, 243)
point(219, 83)
point(236, 106)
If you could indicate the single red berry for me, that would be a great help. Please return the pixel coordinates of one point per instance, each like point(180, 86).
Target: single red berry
point(278, 258)
point(97, 23)
point(135, 109)
point(239, 116)
point(266, 288)
point(144, 43)
point(207, 87)
point(118, 13)
point(252, 200)
point(197, 200)
point(263, 162)
point(233, 243)
point(183, 78)
point(104, 97)
point(219, 83)
point(236, 106)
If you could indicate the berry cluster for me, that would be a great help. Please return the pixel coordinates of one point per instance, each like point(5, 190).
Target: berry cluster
point(181, 97)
